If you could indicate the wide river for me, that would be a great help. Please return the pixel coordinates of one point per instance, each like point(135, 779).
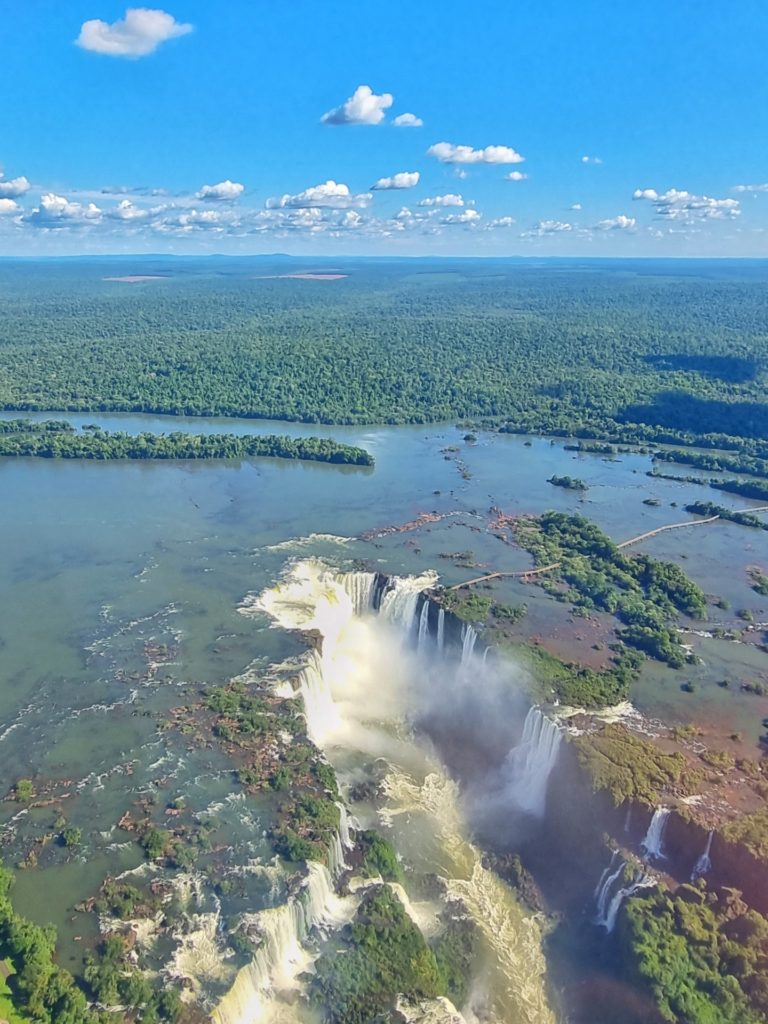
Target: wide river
point(120, 585)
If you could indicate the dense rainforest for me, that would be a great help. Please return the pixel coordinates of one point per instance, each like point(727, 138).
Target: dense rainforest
point(640, 349)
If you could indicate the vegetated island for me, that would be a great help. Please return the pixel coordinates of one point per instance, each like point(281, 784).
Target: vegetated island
point(57, 439)
point(570, 483)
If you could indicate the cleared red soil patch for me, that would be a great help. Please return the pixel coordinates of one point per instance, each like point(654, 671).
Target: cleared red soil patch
point(302, 277)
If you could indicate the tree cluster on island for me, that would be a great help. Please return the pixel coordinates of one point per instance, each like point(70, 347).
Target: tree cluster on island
point(53, 440)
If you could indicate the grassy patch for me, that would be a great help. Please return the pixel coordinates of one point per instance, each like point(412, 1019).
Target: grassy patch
point(630, 767)
point(751, 830)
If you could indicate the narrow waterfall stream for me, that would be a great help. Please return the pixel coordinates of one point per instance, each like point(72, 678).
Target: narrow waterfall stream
point(704, 864)
point(359, 689)
point(530, 763)
point(653, 843)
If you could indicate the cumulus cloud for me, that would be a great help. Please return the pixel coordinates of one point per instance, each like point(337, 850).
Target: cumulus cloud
point(677, 204)
point(450, 199)
point(330, 194)
point(14, 187)
point(548, 227)
point(138, 34)
point(403, 179)
point(448, 153)
point(620, 223)
point(192, 221)
point(225, 191)
point(362, 107)
point(591, 160)
point(515, 176)
point(407, 121)
point(763, 187)
point(9, 206)
point(58, 212)
point(127, 211)
point(501, 222)
point(576, 206)
point(465, 217)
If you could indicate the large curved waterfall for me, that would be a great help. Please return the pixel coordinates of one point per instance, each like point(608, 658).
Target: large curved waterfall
point(360, 687)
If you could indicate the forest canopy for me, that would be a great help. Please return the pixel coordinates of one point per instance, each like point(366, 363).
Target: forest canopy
point(595, 348)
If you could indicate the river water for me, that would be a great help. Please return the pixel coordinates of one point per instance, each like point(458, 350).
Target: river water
point(120, 590)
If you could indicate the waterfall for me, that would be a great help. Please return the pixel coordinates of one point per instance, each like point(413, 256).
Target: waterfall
point(336, 862)
point(653, 844)
point(604, 876)
point(398, 604)
point(628, 817)
point(360, 586)
point(608, 912)
point(485, 655)
point(529, 764)
point(424, 625)
point(468, 641)
point(369, 685)
point(380, 586)
point(605, 887)
point(344, 827)
point(281, 959)
point(704, 864)
point(319, 708)
point(441, 630)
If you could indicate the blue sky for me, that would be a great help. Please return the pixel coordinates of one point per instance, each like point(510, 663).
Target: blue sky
point(256, 126)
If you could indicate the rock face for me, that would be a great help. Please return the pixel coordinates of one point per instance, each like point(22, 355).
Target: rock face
point(568, 854)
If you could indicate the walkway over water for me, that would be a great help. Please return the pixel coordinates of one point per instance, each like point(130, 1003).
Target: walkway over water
point(527, 574)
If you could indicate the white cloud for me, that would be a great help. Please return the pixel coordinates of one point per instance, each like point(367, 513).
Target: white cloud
point(576, 206)
point(450, 199)
point(501, 222)
point(127, 211)
point(9, 206)
point(403, 179)
point(591, 160)
point(620, 223)
point(677, 204)
point(139, 33)
point(548, 227)
point(166, 221)
point(331, 194)
point(57, 212)
point(362, 107)
point(515, 176)
point(225, 191)
point(407, 121)
point(763, 187)
point(465, 217)
point(448, 153)
point(14, 187)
